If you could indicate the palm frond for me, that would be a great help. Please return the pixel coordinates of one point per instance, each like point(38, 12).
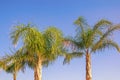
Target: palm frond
point(2, 64)
point(96, 32)
point(17, 32)
point(72, 55)
point(106, 44)
point(100, 41)
point(74, 44)
point(53, 40)
point(111, 30)
point(102, 23)
point(81, 22)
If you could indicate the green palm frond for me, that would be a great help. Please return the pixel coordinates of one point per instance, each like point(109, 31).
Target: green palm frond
point(2, 64)
point(15, 67)
point(74, 44)
point(53, 40)
point(17, 32)
point(106, 44)
point(96, 31)
point(102, 23)
point(110, 30)
point(81, 22)
point(72, 55)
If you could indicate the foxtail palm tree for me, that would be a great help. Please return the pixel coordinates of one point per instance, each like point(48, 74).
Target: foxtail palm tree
point(41, 47)
point(12, 64)
point(89, 40)
point(14, 68)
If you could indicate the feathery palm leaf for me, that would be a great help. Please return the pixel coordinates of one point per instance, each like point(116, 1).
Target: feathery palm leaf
point(72, 55)
point(105, 35)
point(102, 23)
point(106, 44)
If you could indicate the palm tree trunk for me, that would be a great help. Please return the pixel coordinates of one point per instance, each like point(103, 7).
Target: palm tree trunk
point(88, 67)
point(38, 71)
point(14, 76)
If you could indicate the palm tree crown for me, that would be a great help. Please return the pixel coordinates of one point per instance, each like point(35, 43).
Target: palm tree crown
point(90, 40)
point(40, 48)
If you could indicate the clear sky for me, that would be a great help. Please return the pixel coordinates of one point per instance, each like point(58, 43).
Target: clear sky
point(62, 14)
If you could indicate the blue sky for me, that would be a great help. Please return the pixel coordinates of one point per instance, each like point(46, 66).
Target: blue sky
point(62, 14)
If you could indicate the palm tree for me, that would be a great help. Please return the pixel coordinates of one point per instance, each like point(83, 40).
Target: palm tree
point(89, 40)
point(14, 68)
point(12, 64)
point(41, 48)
